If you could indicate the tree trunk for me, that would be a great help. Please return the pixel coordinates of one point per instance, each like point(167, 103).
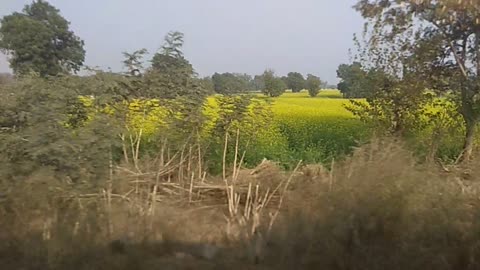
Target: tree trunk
point(469, 140)
point(468, 111)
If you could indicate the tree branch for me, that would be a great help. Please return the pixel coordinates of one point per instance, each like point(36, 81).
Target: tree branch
point(460, 62)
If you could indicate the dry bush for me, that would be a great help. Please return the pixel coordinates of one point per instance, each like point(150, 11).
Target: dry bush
point(379, 209)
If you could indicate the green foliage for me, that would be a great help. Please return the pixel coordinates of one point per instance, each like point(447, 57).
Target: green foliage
point(258, 83)
point(170, 86)
point(441, 51)
point(207, 84)
point(295, 81)
point(134, 61)
point(170, 59)
point(395, 104)
point(173, 44)
point(39, 40)
point(44, 125)
point(274, 86)
point(171, 74)
point(163, 63)
point(231, 83)
point(313, 84)
point(353, 81)
point(238, 117)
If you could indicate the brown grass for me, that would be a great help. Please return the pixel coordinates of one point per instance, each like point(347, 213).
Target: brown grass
point(377, 210)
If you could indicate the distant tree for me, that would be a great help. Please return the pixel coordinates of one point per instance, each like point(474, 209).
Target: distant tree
point(39, 40)
point(295, 81)
point(247, 79)
point(285, 81)
point(173, 44)
point(313, 84)
point(207, 84)
point(274, 86)
point(171, 74)
point(258, 82)
point(352, 81)
point(326, 85)
point(134, 62)
point(231, 83)
point(170, 58)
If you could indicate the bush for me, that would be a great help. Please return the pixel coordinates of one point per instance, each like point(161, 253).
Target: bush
point(313, 92)
point(378, 209)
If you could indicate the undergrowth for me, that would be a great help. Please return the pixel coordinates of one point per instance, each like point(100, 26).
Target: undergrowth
point(378, 209)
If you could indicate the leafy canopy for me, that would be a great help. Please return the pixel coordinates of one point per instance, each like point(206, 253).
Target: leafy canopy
point(231, 83)
point(313, 84)
point(39, 40)
point(295, 81)
point(432, 44)
point(170, 58)
point(273, 86)
point(352, 80)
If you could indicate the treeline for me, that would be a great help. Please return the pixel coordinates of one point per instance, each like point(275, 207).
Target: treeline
point(268, 82)
point(57, 50)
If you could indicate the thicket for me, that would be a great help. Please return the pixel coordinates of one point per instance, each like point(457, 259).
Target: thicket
point(379, 209)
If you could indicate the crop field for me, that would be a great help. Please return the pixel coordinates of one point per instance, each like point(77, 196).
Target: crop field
point(317, 129)
point(294, 127)
point(303, 128)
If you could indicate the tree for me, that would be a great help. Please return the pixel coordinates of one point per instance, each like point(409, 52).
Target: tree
point(231, 83)
point(207, 84)
point(274, 86)
point(258, 82)
point(173, 44)
point(441, 50)
point(44, 125)
point(170, 58)
point(352, 80)
point(39, 40)
point(295, 81)
point(133, 62)
point(171, 74)
point(313, 84)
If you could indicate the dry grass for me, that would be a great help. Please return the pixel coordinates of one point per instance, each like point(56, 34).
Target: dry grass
point(376, 210)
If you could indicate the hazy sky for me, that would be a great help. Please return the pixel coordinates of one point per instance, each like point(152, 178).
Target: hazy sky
point(247, 36)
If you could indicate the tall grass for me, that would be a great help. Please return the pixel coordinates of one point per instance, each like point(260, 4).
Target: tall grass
point(379, 209)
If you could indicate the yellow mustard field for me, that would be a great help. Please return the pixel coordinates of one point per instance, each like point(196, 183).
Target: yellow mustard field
point(288, 128)
point(317, 129)
point(294, 127)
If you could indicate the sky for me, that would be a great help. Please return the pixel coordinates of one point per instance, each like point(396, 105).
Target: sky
point(245, 36)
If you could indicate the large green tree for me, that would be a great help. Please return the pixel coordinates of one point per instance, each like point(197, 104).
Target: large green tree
point(437, 42)
point(295, 81)
point(274, 86)
point(258, 83)
point(39, 40)
point(170, 58)
point(313, 85)
point(231, 83)
point(171, 74)
point(352, 80)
